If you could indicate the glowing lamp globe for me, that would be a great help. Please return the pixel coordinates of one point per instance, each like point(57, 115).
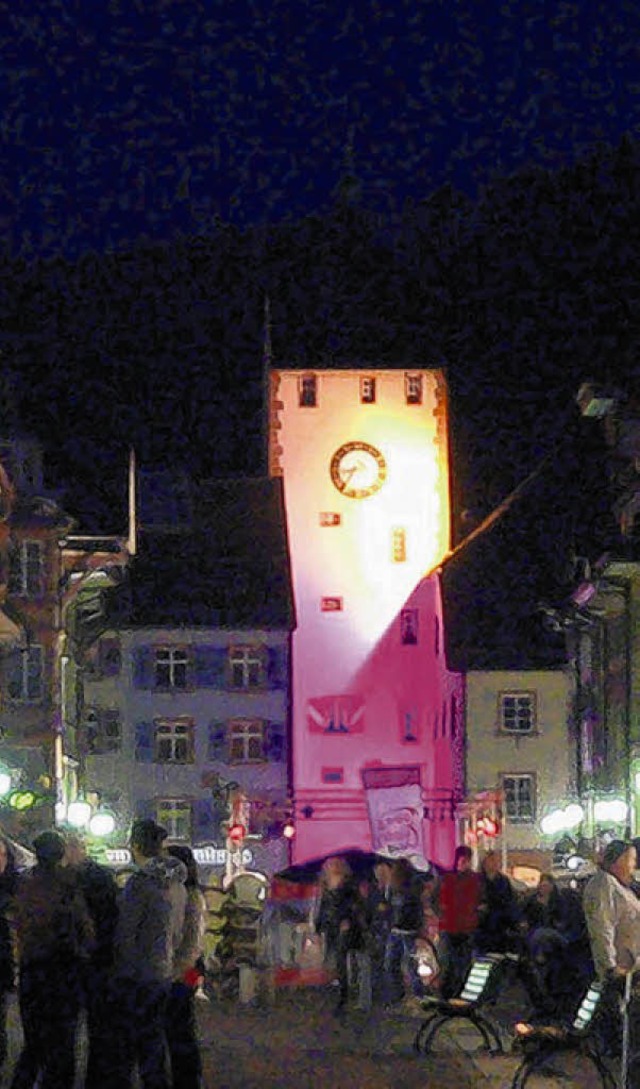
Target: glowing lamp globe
point(289, 830)
point(102, 824)
point(79, 814)
point(5, 783)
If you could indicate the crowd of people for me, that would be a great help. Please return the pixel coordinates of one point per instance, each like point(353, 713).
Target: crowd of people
point(374, 929)
point(129, 958)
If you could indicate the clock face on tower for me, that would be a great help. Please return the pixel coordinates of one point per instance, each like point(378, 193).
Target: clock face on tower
point(358, 470)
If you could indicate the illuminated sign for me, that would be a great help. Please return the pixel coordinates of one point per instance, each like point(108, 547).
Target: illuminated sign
point(204, 856)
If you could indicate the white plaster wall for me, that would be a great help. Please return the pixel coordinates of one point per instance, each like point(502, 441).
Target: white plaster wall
point(546, 753)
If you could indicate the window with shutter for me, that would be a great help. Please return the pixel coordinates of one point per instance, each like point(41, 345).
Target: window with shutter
point(174, 741)
point(246, 740)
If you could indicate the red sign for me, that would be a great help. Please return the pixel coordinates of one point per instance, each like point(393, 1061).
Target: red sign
point(329, 518)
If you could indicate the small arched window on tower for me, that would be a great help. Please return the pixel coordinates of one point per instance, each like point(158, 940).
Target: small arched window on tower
point(409, 627)
point(308, 391)
point(413, 389)
point(453, 716)
point(368, 391)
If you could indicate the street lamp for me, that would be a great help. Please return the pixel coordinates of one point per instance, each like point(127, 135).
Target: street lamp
point(102, 823)
point(79, 814)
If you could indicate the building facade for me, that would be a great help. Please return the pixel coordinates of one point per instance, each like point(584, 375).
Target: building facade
point(518, 747)
point(174, 721)
point(31, 524)
point(376, 715)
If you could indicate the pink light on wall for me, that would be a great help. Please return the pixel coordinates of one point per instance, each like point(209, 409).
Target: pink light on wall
point(366, 490)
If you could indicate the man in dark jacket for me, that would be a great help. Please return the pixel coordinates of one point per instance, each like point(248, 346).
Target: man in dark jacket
point(498, 913)
point(100, 891)
point(148, 933)
point(55, 937)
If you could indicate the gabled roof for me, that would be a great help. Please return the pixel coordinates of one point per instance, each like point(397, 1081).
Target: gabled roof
point(230, 569)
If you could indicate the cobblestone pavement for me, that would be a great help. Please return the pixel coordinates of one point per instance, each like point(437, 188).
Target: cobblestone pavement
point(296, 1042)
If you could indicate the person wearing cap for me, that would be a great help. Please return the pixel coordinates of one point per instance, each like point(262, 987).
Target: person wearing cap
point(148, 935)
point(612, 911)
point(54, 939)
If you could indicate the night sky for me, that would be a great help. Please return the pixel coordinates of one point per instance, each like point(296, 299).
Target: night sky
point(148, 117)
point(167, 164)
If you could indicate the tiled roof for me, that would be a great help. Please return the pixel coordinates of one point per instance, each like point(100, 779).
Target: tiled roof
point(228, 569)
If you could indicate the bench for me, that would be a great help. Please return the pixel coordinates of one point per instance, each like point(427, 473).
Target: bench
point(480, 989)
point(542, 1043)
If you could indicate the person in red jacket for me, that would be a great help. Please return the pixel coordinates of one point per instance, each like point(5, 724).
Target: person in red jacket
point(459, 901)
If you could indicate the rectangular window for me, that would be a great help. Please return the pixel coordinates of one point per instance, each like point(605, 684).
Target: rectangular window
point(246, 740)
point(308, 391)
point(409, 627)
point(517, 712)
point(246, 667)
point(103, 733)
point(174, 815)
point(519, 798)
point(26, 569)
point(26, 680)
point(413, 389)
point(171, 664)
point(410, 726)
point(368, 391)
point(332, 775)
point(398, 545)
point(331, 605)
point(329, 518)
point(173, 741)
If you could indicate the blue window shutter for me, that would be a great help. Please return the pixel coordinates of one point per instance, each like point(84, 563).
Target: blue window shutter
point(274, 742)
point(209, 666)
point(144, 742)
point(145, 809)
point(217, 742)
point(203, 819)
point(276, 667)
point(143, 673)
point(14, 674)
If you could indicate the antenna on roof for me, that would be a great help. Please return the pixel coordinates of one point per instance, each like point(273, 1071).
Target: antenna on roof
point(132, 540)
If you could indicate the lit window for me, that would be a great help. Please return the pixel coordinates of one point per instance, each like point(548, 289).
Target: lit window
point(516, 711)
point(409, 626)
point(368, 391)
point(308, 391)
point(246, 667)
point(519, 797)
point(175, 817)
point(398, 545)
point(102, 726)
point(413, 389)
point(246, 740)
point(26, 569)
point(26, 674)
point(174, 741)
point(171, 668)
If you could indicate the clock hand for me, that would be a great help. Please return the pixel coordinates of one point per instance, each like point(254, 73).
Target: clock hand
point(346, 474)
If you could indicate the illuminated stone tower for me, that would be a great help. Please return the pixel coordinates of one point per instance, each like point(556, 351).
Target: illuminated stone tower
point(376, 715)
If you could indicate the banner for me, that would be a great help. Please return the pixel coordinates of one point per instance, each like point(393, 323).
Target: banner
point(394, 802)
